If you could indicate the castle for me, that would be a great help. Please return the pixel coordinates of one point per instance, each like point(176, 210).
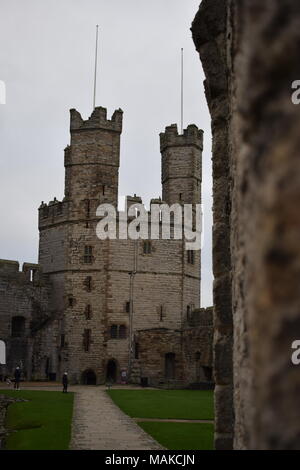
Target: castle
point(109, 310)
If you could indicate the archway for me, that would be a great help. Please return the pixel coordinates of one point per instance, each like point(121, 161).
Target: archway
point(111, 371)
point(170, 366)
point(89, 377)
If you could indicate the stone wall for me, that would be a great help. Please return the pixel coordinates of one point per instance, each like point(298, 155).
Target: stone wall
point(249, 50)
point(210, 37)
point(24, 295)
point(192, 349)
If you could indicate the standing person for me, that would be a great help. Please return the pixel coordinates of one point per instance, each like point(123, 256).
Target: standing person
point(65, 382)
point(17, 378)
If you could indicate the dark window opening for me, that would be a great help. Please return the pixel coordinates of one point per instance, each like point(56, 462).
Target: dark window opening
point(87, 340)
point(122, 331)
point(188, 312)
point(18, 327)
point(161, 313)
point(114, 331)
point(147, 247)
point(88, 312)
point(198, 356)
point(62, 341)
point(191, 256)
point(88, 254)
point(87, 208)
point(127, 307)
point(88, 283)
point(71, 301)
point(103, 190)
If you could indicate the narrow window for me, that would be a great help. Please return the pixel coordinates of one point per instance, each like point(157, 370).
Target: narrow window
point(114, 331)
point(88, 283)
point(87, 340)
point(147, 247)
point(88, 312)
point(188, 312)
point(103, 190)
point(127, 307)
point(122, 331)
point(88, 254)
point(191, 256)
point(62, 341)
point(71, 301)
point(161, 313)
point(87, 208)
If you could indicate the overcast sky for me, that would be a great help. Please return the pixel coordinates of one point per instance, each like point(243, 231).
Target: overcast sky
point(47, 61)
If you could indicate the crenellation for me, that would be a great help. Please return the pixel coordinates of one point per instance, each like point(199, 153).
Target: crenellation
point(192, 136)
point(97, 120)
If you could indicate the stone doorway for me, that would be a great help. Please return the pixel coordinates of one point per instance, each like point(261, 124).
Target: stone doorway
point(111, 371)
point(170, 366)
point(89, 377)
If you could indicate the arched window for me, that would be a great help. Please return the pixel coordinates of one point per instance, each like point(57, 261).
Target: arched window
point(170, 366)
point(17, 327)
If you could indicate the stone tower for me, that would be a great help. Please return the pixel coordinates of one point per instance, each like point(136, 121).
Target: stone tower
point(113, 299)
point(181, 165)
point(69, 249)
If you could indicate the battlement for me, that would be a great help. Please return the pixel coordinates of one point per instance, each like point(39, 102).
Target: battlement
point(31, 272)
point(54, 211)
point(97, 120)
point(8, 266)
point(191, 136)
point(131, 200)
point(201, 317)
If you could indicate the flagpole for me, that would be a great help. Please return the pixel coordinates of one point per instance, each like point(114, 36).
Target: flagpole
point(96, 64)
point(182, 97)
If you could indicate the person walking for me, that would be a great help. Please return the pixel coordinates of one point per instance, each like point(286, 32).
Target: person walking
point(65, 382)
point(17, 378)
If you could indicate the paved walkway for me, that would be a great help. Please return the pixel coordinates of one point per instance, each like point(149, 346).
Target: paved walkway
point(98, 424)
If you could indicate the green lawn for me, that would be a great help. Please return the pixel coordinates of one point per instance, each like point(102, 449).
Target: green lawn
point(171, 404)
point(179, 404)
point(181, 436)
point(42, 423)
